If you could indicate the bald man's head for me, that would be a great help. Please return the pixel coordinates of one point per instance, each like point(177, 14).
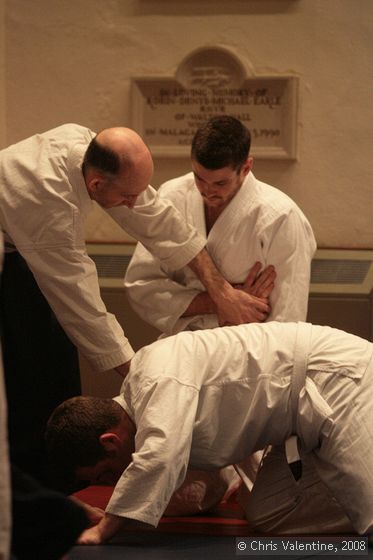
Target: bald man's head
point(117, 167)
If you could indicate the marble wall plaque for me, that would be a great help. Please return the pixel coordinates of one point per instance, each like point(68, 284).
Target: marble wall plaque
point(212, 81)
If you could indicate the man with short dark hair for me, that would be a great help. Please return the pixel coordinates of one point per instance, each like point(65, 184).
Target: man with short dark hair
point(260, 239)
point(210, 398)
point(223, 141)
point(50, 295)
point(247, 225)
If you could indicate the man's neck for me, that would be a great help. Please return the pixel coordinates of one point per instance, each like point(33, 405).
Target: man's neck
point(212, 214)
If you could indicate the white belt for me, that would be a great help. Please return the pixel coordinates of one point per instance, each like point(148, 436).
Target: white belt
point(301, 350)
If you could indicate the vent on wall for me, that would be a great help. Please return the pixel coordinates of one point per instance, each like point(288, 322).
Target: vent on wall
point(333, 270)
point(339, 271)
point(342, 271)
point(111, 260)
point(111, 266)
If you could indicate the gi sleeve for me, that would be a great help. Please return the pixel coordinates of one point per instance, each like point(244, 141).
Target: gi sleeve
point(68, 279)
point(161, 228)
point(154, 293)
point(56, 254)
point(164, 416)
point(291, 246)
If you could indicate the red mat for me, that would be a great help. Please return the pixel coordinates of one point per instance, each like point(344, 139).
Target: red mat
point(225, 519)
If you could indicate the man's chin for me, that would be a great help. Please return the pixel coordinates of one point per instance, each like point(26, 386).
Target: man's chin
point(213, 202)
point(107, 205)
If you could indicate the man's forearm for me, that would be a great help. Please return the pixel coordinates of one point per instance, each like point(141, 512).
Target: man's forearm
point(201, 304)
point(204, 267)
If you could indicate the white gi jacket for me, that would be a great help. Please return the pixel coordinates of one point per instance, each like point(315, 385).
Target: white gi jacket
point(210, 398)
point(260, 224)
point(43, 205)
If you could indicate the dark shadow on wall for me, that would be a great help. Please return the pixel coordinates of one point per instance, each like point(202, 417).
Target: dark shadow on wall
point(212, 7)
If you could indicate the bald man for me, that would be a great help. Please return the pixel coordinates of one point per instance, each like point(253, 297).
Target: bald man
point(50, 294)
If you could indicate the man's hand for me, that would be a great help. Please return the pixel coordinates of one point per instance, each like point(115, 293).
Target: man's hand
point(91, 536)
point(103, 531)
point(235, 307)
point(232, 306)
point(253, 305)
point(259, 284)
point(94, 514)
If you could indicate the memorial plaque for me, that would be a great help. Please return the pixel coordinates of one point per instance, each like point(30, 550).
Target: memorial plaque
point(168, 110)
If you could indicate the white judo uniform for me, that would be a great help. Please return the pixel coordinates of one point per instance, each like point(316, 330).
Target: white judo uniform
point(43, 206)
point(260, 224)
point(211, 398)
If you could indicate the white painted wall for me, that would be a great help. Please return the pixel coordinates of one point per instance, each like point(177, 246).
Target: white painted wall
point(73, 61)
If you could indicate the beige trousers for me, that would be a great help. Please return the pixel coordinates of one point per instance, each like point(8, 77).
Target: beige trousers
point(278, 504)
point(335, 491)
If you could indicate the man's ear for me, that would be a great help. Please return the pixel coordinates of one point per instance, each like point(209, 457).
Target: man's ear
point(110, 442)
point(93, 181)
point(248, 165)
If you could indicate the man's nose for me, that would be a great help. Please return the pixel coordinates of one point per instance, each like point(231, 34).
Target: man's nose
point(208, 189)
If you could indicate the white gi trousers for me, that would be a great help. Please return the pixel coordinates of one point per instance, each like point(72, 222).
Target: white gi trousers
point(335, 492)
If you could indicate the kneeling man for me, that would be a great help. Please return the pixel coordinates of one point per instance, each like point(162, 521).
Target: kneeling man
point(211, 398)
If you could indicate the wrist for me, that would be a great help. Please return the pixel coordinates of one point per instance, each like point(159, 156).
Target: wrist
point(211, 278)
point(109, 526)
point(201, 304)
point(221, 291)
